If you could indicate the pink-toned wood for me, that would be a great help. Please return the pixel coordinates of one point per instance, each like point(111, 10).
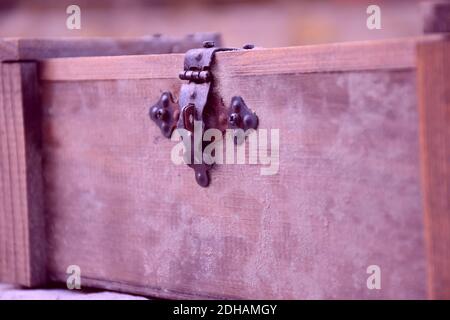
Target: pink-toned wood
point(15, 49)
point(22, 235)
point(434, 94)
point(370, 55)
point(347, 194)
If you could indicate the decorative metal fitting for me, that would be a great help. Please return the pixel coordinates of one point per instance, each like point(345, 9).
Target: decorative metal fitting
point(193, 101)
point(240, 116)
point(165, 113)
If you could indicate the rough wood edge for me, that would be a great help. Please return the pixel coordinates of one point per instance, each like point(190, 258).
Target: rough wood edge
point(367, 55)
point(22, 238)
point(434, 111)
point(18, 49)
point(22, 229)
point(130, 288)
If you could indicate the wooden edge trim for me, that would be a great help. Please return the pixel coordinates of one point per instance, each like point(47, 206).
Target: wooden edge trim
point(9, 49)
point(434, 112)
point(352, 56)
point(148, 291)
point(22, 235)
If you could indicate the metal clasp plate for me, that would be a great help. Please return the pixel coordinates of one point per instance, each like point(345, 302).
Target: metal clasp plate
point(193, 101)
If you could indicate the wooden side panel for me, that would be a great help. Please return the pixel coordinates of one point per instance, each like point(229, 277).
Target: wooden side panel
point(346, 196)
point(434, 94)
point(22, 235)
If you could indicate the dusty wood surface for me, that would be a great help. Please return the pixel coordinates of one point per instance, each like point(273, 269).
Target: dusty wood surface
point(434, 91)
point(22, 236)
point(347, 194)
point(37, 49)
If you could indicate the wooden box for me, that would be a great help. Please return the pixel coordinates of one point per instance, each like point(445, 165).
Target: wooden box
point(86, 178)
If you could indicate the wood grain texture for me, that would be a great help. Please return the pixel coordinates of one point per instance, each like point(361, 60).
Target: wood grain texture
point(374, 55)
point(347, 194)
point(434, 94)
point(15, 49)
point(22, 236)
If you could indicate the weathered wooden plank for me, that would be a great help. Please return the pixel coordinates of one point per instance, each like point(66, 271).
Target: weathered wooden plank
point(347, 194)
point(434, 97)
point(22, 252)
point(112, 68)
point(15, 49)
point(22, 236)
point(373, 55)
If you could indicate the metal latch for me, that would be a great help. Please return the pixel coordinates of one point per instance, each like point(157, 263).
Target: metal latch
point(193, 103)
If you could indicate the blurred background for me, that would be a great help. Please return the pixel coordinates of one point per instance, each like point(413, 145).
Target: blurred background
point(266, 23)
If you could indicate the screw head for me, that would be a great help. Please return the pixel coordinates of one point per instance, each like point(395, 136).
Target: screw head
point(202, 178)
point(250, 121)
point(208, 44)
point(161, 114)
point(236, 105)
point(153, 112)
point(233, 119)
point(165, 99)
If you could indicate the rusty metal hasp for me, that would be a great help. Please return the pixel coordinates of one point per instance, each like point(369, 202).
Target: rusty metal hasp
point(193, 101)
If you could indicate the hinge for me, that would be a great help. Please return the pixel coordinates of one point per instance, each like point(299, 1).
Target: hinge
point(193, 101)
